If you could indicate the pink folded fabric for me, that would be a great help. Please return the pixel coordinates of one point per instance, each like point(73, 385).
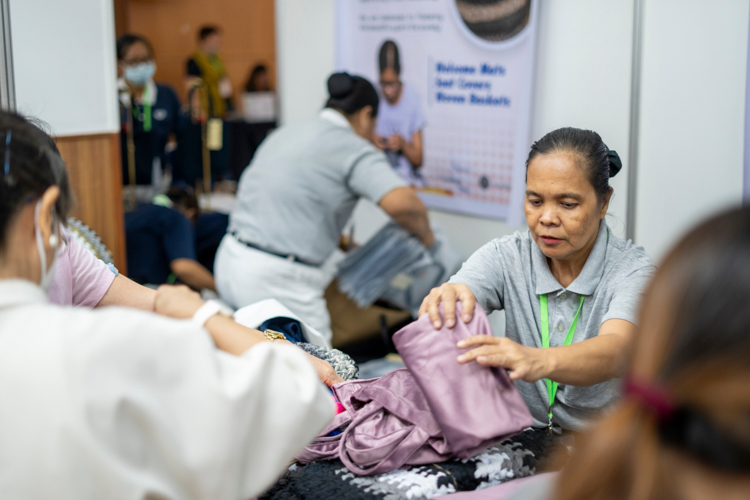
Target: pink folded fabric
point(387, 423)
point(475, 406)
point(430, 412)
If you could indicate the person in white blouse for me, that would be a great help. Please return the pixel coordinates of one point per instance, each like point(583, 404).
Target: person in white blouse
point(124, 404)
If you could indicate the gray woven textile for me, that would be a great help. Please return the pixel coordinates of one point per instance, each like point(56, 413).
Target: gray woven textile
point(396, 267)
point(342, 363)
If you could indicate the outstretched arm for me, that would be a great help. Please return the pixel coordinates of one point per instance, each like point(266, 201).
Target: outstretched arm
point(590, 362)
point(405, 207)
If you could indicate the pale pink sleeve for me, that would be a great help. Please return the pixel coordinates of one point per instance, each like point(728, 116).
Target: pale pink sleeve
point(90, 276)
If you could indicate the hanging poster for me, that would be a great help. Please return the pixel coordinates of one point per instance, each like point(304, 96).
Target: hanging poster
point(457, 77)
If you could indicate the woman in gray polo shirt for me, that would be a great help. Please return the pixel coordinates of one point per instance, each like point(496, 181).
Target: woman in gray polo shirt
point(296, 196)
point(570, 288)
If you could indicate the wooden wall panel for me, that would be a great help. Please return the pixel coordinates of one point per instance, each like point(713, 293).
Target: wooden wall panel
point(248, 27)
point(96, 178)
point(122, 21)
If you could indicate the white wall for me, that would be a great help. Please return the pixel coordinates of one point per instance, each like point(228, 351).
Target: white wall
point(692, 115)
point(583, 78)
point(305, 31)
point(65, 64)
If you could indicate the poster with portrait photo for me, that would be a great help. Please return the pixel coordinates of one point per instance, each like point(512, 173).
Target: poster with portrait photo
point(469, 65)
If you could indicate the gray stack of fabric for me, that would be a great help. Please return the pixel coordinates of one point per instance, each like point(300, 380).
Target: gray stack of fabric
point(396, 267)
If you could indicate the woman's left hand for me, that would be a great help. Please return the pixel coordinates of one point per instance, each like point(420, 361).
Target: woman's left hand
point(523, 363)
point(326, 373)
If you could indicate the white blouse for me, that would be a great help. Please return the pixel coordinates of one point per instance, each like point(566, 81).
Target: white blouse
point(121, 404)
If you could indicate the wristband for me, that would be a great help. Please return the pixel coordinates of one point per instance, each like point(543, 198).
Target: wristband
point(206, 311)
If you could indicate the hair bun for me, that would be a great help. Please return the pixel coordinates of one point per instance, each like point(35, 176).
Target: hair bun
point(615, 163)
point(340, 85)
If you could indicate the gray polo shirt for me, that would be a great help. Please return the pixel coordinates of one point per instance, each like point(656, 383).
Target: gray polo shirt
point(512, 272)
point(303, 183)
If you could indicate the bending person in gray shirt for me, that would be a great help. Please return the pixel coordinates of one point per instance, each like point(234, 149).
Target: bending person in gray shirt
point(296, 196)
point(570, 288)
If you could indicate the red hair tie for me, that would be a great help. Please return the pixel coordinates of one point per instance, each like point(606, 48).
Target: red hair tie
point(656, 398)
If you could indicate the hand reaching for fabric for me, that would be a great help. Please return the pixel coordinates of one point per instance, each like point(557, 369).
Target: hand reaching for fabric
point(178, 302)
point(325, 371)
point(523, 363)
point(448, 294)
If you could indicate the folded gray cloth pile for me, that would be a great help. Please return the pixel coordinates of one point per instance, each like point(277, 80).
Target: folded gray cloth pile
point(396, 267)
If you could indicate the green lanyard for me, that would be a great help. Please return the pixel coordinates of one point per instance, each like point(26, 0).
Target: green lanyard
point(146, 111)
point(552, 386)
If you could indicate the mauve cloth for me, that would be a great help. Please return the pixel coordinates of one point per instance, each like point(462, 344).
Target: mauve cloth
point(474, 405)
point(388, 424)
point(445, 410)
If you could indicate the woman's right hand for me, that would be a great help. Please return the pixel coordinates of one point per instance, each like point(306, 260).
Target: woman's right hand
point(448, 294)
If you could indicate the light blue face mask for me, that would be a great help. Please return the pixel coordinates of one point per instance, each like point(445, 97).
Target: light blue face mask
point(139, 74)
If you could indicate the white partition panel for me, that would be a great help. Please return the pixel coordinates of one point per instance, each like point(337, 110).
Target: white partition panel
point(692, 115)
point(65, 64)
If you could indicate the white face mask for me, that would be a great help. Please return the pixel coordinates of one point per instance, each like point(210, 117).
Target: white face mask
point(47, 274)
point(140, 74)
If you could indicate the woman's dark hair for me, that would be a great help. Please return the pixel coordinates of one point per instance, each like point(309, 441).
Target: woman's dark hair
point(693, 345)
point(124, 42)
point(29, 165)
point(350, 93)
point(250, 86)
point(599, 162)
point(388, 57)
point(207, 30)
point(183, 196)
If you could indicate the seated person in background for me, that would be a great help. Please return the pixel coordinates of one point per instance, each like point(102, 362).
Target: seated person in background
point(161, 246)
point(210, 227)
point(124, 403)
point(570, 288)
point(258, 80)
point(154, 108)
point(682, 430)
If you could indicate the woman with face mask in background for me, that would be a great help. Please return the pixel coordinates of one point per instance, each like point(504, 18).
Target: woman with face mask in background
point(152, 108)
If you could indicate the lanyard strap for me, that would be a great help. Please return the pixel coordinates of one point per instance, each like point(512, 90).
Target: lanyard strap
point(146, 111)
point(552, 386)
point(147, 116)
